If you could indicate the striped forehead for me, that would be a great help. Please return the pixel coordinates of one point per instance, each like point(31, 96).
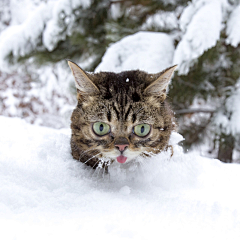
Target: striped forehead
point(131, 112)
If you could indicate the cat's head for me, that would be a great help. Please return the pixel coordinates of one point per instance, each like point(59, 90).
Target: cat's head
point(120, 116)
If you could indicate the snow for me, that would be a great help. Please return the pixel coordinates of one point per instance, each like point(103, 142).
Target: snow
point(161, 20)
point(201, 26)
point(230, 123)
point(45, 194)
point(115, 10)
point(62, 19)
point(148, 51)
point(233, 26)
point(21, 9)
point(44, 98)
point(27, 35)
point(44, 24)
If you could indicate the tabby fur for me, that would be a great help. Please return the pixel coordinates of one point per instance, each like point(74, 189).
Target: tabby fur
point(122, 100)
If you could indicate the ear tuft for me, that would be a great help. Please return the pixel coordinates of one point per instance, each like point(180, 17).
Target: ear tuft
point(159, 86)
point(84, 85)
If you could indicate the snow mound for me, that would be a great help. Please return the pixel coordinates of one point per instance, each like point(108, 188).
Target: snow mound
point(45, 194)
point(148, 51)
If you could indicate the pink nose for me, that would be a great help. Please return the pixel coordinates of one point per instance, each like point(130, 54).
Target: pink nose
point(121, 147)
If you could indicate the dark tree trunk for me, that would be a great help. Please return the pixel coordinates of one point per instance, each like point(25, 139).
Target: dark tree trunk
point(226, 146)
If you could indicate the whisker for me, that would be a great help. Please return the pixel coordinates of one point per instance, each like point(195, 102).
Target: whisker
point(104, 170)
point(96, 163)
point(86, 151)
point(94, 172)
point(96, 169)
point(92, 158)
point(99, 170)
point(141, 167)
point(138, 111)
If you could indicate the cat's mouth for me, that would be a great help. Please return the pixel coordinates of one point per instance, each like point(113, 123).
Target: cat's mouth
point(121, 159)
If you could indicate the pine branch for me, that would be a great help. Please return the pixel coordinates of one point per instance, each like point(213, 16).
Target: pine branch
point(119, 1)
point(198, 110)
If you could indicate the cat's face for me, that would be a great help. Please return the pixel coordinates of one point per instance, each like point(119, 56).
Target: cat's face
point(120, 116)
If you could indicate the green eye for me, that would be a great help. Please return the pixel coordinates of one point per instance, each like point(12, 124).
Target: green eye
point(142, 130)
point(101, 128)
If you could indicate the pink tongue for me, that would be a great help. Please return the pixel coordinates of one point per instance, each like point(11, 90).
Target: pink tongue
point(121, 159)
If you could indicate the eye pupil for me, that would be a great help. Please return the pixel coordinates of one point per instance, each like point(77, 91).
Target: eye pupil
point(142, 130)
point(101, 128)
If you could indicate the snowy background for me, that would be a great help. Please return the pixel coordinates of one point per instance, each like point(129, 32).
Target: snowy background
point(44, 193)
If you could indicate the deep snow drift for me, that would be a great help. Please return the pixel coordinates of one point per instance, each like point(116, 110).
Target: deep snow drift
point(45, 194)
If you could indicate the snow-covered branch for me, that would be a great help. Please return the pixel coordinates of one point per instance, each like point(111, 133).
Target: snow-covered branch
point(190, 111)
point(50, 23)
point(201, 23)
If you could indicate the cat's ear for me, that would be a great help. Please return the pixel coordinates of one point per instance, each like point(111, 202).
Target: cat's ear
point(159, 86)
point(83, 84)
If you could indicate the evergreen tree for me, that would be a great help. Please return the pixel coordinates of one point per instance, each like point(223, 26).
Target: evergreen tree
point(206, 95)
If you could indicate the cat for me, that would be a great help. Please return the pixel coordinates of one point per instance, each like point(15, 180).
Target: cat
point(120, 116)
